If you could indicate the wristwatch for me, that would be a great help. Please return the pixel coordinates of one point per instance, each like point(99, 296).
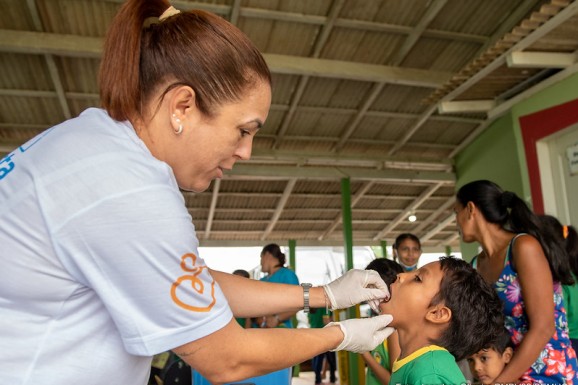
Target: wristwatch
point(306, 287)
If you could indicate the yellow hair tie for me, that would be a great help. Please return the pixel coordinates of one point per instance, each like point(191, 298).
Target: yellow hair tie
point(170, 11)
point(565, 231)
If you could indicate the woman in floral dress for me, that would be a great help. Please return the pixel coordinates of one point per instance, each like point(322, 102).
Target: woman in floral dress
point(527, 270)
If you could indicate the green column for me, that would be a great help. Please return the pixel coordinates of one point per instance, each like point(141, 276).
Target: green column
point(346, 221)
point(448, 251)
point(292, 262)
point(348, 245)
point(293, 265)
point(384, 248)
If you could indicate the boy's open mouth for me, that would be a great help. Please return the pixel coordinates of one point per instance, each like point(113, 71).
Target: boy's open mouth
point(390, 293)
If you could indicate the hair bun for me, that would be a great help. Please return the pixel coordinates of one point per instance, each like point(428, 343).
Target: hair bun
point(506, 198)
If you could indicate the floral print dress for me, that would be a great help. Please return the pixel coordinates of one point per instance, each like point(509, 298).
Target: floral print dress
point(557, 361)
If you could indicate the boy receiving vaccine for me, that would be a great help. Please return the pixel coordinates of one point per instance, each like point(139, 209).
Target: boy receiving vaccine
point(443, 312)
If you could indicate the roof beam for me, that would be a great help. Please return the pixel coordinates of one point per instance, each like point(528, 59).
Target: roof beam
point(26, 42)
point(432, 11)
point(551, 24)
point(449, 239)
point(280, 206)
point(403, 214)
point(211, 216)
point(294, 65)
point(356, 198)
point(231, 239)
point(234, 14)
point(274, 172)
point(373, 94)
point(293, 17)
point(51, 64)
point(433, 216)
point(302, 157)
point(526, 42)
point(438, 228)
point(506, 26)
point(465, 106)
point(304, 80)
point(519, 59)
point(502, 108)
point(274, 107)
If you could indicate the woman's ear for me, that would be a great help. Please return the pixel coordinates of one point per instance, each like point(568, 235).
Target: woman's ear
point(439, 314)
point(507, 355)
point(471, 208)
point(182, 102)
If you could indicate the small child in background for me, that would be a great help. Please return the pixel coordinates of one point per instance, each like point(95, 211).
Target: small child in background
point(244, 322)
point(443, 312)
point(489, 362)
point(380, 360)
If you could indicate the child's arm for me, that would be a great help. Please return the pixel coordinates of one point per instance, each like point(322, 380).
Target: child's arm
point(382, 374)
point(537, 292)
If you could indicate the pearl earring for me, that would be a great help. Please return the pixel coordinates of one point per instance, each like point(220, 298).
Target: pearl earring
point(179, 130)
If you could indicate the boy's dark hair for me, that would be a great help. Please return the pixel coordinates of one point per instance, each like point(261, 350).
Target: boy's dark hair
point(502, 341)
point(477, 317)
point(387, 269)
point(242, 273)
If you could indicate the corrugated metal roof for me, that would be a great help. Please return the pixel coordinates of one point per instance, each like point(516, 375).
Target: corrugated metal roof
point(366, 108)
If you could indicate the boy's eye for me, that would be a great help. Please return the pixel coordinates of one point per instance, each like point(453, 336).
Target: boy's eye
point(245, 132)
point(417, 278)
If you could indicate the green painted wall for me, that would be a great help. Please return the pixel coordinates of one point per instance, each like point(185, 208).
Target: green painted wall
point(498, 153)
point(494, 156)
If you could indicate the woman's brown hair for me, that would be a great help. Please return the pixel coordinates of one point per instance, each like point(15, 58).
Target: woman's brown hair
point(193, 48)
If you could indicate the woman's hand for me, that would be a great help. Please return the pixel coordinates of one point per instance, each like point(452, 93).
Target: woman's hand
point(363, 334)
point(354, 287)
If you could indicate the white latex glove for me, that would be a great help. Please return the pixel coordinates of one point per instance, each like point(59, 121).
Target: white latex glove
point(363, 334)
point(357, 286)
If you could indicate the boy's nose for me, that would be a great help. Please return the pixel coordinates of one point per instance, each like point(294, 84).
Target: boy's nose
point(478, 367)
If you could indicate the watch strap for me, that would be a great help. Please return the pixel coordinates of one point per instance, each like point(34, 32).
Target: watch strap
point(306, 287)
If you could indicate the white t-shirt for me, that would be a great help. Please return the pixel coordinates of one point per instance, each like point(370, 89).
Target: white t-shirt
point(99, 264)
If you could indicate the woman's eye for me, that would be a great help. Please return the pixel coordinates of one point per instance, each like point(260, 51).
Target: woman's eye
point(417, 278)
point(245, 132)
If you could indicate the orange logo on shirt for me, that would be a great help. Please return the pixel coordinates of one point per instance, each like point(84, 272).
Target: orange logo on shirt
point(184, 297)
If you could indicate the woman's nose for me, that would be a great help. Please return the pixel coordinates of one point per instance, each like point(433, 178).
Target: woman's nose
point(244, 150)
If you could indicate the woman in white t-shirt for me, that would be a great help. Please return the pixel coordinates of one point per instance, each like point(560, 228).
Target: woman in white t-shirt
point(100, 265)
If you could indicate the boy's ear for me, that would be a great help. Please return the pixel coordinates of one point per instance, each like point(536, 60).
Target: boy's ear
point(439, 314)
point(507, 355)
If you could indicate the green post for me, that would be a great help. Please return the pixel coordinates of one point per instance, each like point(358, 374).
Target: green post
point(348, 245)
point(346, 221)
point(448, 251)
point(383, 248)
point(293, 265)
point(292, 262)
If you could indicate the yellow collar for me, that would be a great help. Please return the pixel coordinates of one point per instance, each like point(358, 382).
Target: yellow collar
point(399, 363)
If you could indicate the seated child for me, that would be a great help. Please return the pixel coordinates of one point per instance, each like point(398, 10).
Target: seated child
point(380, 360)
point(489, 362)
point(443, 312)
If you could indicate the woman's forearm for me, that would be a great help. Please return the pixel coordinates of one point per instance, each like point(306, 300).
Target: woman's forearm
point(233, 353)
point(265, 298)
